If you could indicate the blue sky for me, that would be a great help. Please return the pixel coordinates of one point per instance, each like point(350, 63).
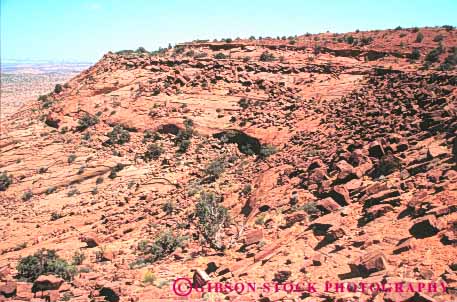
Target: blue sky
point(85, 30)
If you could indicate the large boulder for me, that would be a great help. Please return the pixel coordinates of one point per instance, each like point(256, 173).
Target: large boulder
point(424, 227)
point(91, 239)
point(200, 278)
point(328, 205)
point(47, 282)
point(111, 292)
point(369, 263)
point(8, 289)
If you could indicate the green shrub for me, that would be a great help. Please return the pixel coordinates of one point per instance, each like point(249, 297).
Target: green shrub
point(215, 168)
point(73, 192)
point(246, 189)
point(220, 56)
point(58, 88)
point(438, 38)
point(149, 277)
point(349, 39)
point(41, 263)
point(451, 61)
point(94, 191)
point(81, 170)
point(419, 37)
point(50, 190)
point(86, 121)
point(165, 244)
point(160, 51)
point(71, 158)
point(183, 146)
point(124, 52)
point(183, 137)
point(99, 180)
point(153, 152)
point(415, 54)
point(200, 55)
point(43, 98)
point(55, 216)
point(78, 258)
point(260, 220)
point(48, 104)
point(27, 195)
point(86, 136)
point(366, 41)
point(168, 207)
point(114, 170)
point(310, 208)
point(434, 55)
point(243, 103)
point(118, 136)
point(212, 217)
point(141, 49)
point(5, 181)
point(149, 135)
point(267, 150)
point(267, 57)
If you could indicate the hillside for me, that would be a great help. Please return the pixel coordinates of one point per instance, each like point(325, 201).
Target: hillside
point(328, 157)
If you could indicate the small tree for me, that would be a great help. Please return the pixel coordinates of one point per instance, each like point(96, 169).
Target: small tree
point(41, 263)
point(118, 136)
point(86, 121)
point(267, 57)
point(451, 61)
point(183, 137)
point(141, 49)
point(212, 217)
point(415, 54)
point(165, 244)
point(215, 168)
point(349, 39)
point(220, 56)
point(153, 152)
point(434, 54)
point(419, 37)
point(168, 207)
point(58, 88)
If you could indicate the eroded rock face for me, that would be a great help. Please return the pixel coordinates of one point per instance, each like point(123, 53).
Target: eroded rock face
point(47, 282)
point(335, 162)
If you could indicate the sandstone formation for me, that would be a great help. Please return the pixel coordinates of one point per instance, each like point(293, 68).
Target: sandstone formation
point(334, 156)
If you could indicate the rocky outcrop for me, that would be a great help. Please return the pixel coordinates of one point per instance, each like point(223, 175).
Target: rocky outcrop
point(307, 160)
